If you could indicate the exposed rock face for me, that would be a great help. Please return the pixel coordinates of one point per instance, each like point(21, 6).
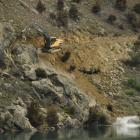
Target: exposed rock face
point(47, 85)
point(6, 36)
point(38, 83)
point(25, 54)
point(14, 117)
point(58, 89)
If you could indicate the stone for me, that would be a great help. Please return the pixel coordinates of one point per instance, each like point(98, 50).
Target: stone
point(15, 117)
point(25, 54)
point(91, 70)
point(30, 74)
point(19, 118)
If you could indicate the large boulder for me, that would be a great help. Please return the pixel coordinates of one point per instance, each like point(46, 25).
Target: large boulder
point(59, 90)
point(13, 117)
point(25, 54)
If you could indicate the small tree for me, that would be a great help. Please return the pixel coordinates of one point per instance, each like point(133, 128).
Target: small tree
point(40, 7)
point(60, 5)
point(133, 19)
point(137, 8)
point(77, 1)
point(111, 19)
point(62, 18)
point(121, 4)
point(73, 12)
point(96, 8)
point(66, 56)
point(34, 115)
point(52, 117)
point(135, 55)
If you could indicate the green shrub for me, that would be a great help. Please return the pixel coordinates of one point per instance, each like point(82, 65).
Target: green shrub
point(35, 116)
point(62, 18)
point(77, 1)
point(69, 110)
point(137, 8)
point(52, 15)
point(132, 82)
point(40, 7)
point(66, 56)
point(135, 55)
point(135, 84)
point(96, 9)
point(72, 68)
point(137, 44)
point(40, 73)
point(52, 117)
point(60, 5)
point(110, 107)
point(111, 19)
point(121, 4)
point(133, 20)
point(97, 117)
point(121, 26)
point(130, 92)
point(135, 60)
point(74, 13)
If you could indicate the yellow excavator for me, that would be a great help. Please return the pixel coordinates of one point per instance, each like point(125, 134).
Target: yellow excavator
point(50, 44)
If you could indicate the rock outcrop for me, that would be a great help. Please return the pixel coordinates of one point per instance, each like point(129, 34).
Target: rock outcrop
point(14, 118)
point(44, 86)
point(61, 91)
point(33, 95)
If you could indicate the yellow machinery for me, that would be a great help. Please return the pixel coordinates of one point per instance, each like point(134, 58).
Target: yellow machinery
point(46, 42)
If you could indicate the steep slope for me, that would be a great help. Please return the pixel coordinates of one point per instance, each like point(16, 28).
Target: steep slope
point(95, 49)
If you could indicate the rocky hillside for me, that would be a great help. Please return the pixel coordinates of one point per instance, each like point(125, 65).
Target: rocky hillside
point(91, 81)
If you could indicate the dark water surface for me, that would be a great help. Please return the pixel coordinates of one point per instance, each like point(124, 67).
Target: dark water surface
point(98, 133)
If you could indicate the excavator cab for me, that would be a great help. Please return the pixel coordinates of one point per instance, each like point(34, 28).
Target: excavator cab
point(52, 44)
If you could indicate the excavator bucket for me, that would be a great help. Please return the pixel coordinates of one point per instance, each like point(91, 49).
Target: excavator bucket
point(55, 46)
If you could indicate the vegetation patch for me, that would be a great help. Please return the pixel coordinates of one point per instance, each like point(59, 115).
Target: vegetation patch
point(52, 117)
point(121, 4)
point(135, 55)
point(111, 19)
point(62, 18)
point(77, 1)
point(35, 116)
point(74, 13)
point(60, 5)
point(133, 20)
point(97, 117)
point(69, 110)
point(130, 92)
point(134, 83)
point(137, 8)
point(40, 7)
point(40, 73)
point(66, 56)
point(96, 9)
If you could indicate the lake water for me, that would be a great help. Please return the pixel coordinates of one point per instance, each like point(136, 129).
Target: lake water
point(126, 128)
